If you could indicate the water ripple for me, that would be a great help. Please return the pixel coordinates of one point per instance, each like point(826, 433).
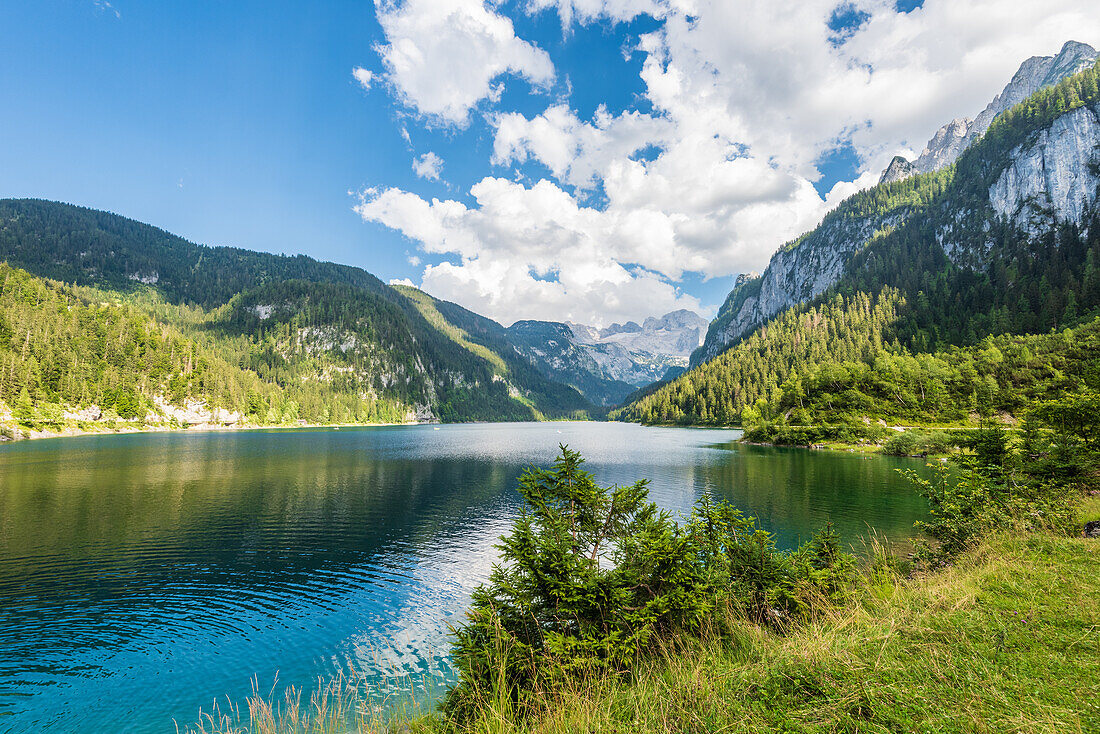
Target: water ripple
point(143, 576)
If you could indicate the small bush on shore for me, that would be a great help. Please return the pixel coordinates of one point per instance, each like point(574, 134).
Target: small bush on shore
point(591, 578)
point(921, 443)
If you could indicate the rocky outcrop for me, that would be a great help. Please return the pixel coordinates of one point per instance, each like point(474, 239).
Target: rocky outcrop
point(1053, 180)
point(89, 414)
point(956, 136)
point(945, 146)
point(194, 413)
point(898, 169)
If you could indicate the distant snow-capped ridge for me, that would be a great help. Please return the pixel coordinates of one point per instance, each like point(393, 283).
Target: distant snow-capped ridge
point(607, 364)
point(676, 334)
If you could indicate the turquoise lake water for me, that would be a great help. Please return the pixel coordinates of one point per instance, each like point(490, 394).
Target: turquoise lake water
point(144, 575)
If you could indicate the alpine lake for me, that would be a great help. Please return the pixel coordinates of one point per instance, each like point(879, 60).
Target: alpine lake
point(144, 576)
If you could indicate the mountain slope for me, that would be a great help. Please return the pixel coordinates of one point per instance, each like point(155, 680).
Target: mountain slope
point(495, 344)
point(65, 349)
point(1006, 240)
point(554, 349)
point(1052, 182)
point(336, 340)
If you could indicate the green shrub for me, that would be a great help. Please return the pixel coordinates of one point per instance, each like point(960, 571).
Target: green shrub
point(920, 443)
point(592, 577)
point(901, 444)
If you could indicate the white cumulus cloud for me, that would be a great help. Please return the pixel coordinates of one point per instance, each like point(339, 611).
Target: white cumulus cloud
point(442, 57)
point(586, 11)
point(717, 169)
point(428, 166)
point(363, 76)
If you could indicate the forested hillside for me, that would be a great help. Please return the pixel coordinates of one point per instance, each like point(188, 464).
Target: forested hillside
point(288, 338)
point(67, 347)
point(956, 270)
point(834, 364)
point(75, 244)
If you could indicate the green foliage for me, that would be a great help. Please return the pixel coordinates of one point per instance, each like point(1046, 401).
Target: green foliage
point(574, 583)
point(1004, 482)
point(592, 577)
point(922, 443)
point(1076, 414)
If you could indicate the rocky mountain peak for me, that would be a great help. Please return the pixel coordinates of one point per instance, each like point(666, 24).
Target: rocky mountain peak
point(945, 146)
point(630, 327)
point(898, 169)
point(675, 334)
point(743, 278)
point(956, 136)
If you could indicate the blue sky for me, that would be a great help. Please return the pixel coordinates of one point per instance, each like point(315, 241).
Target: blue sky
point(600, 159)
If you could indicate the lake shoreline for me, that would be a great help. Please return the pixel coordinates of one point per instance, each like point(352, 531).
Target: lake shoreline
point(354, 549)
point(116, 430)
point(125, 430)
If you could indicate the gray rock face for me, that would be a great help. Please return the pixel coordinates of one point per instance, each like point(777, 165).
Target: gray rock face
point(945, 146)
point(1055, 180)
point(676, 334)
point(898, 169)
point(797, 273)
point(1034, 74)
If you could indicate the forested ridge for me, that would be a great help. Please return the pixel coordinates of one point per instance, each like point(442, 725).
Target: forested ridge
point(71, 346)
point(905, 335)
point(277, 339)
point(832, 363)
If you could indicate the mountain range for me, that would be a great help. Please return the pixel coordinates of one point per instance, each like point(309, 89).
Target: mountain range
point(272, 339)
point(994, 229)
point(609, 364)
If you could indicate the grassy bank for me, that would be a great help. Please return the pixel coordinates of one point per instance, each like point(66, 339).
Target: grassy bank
point(1007, 639)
